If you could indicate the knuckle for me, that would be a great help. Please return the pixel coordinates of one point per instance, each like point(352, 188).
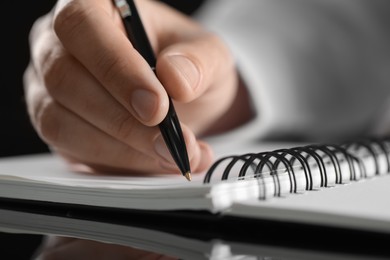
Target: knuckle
point(39, 25)
point(122, 127)
point(219, 47)
point(55, 72)
point(32, 95)
point(70, 19)
point(112, 66)
point(47, 123)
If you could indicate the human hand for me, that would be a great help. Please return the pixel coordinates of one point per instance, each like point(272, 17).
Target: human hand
point(54, 247)
point(94, 100)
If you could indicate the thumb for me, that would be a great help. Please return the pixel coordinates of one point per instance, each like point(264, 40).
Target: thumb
point(168, 27)
point(189, 58)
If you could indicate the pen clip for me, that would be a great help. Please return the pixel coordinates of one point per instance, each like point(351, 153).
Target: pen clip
point(135, 30)
point(123, 7)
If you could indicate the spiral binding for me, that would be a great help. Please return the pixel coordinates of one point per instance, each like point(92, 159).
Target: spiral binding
point(324, 158)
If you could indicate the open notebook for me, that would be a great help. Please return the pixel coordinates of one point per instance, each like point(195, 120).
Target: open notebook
point(345, 185)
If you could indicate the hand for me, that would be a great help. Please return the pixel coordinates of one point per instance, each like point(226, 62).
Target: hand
point(72, 248)
point(94, 100)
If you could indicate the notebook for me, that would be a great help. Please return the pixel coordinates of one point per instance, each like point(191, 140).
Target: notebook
point(345, 185)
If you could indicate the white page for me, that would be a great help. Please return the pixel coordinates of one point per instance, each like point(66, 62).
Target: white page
point(362, 205)
point(350, 205)
point(46, 177)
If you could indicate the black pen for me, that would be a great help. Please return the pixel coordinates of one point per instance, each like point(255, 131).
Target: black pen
point(170, 127)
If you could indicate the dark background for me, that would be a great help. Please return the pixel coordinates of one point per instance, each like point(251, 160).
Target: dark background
point(16, 133)
point(17, 136)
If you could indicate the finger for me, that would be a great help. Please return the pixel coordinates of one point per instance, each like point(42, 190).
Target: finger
point(92, 103)
point(65, 131)
point(69, 134)
point(72, 86)
point(89, 32)
point(201, 154)
point(63, 76)
point(190, 59)
point(190, 68)
point(207, 156)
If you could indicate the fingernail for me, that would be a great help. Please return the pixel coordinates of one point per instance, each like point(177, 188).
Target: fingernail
point(144, 103)
point(162, 149)
point(186, 70)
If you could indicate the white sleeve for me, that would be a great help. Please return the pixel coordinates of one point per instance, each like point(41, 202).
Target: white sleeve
point(315, 69)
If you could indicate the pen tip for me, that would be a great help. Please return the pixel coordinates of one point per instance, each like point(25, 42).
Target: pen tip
point(188, 176)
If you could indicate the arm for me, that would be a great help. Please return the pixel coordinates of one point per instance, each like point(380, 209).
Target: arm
point(314, 70)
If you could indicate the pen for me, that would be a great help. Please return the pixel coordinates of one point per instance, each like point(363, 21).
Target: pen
point(170, 127)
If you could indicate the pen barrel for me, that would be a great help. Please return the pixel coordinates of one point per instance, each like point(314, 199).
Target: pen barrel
point(173, 136)
point(138, 36)
point(170, 127)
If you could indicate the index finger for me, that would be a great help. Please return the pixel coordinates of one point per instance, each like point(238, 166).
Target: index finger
point(91, 31)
